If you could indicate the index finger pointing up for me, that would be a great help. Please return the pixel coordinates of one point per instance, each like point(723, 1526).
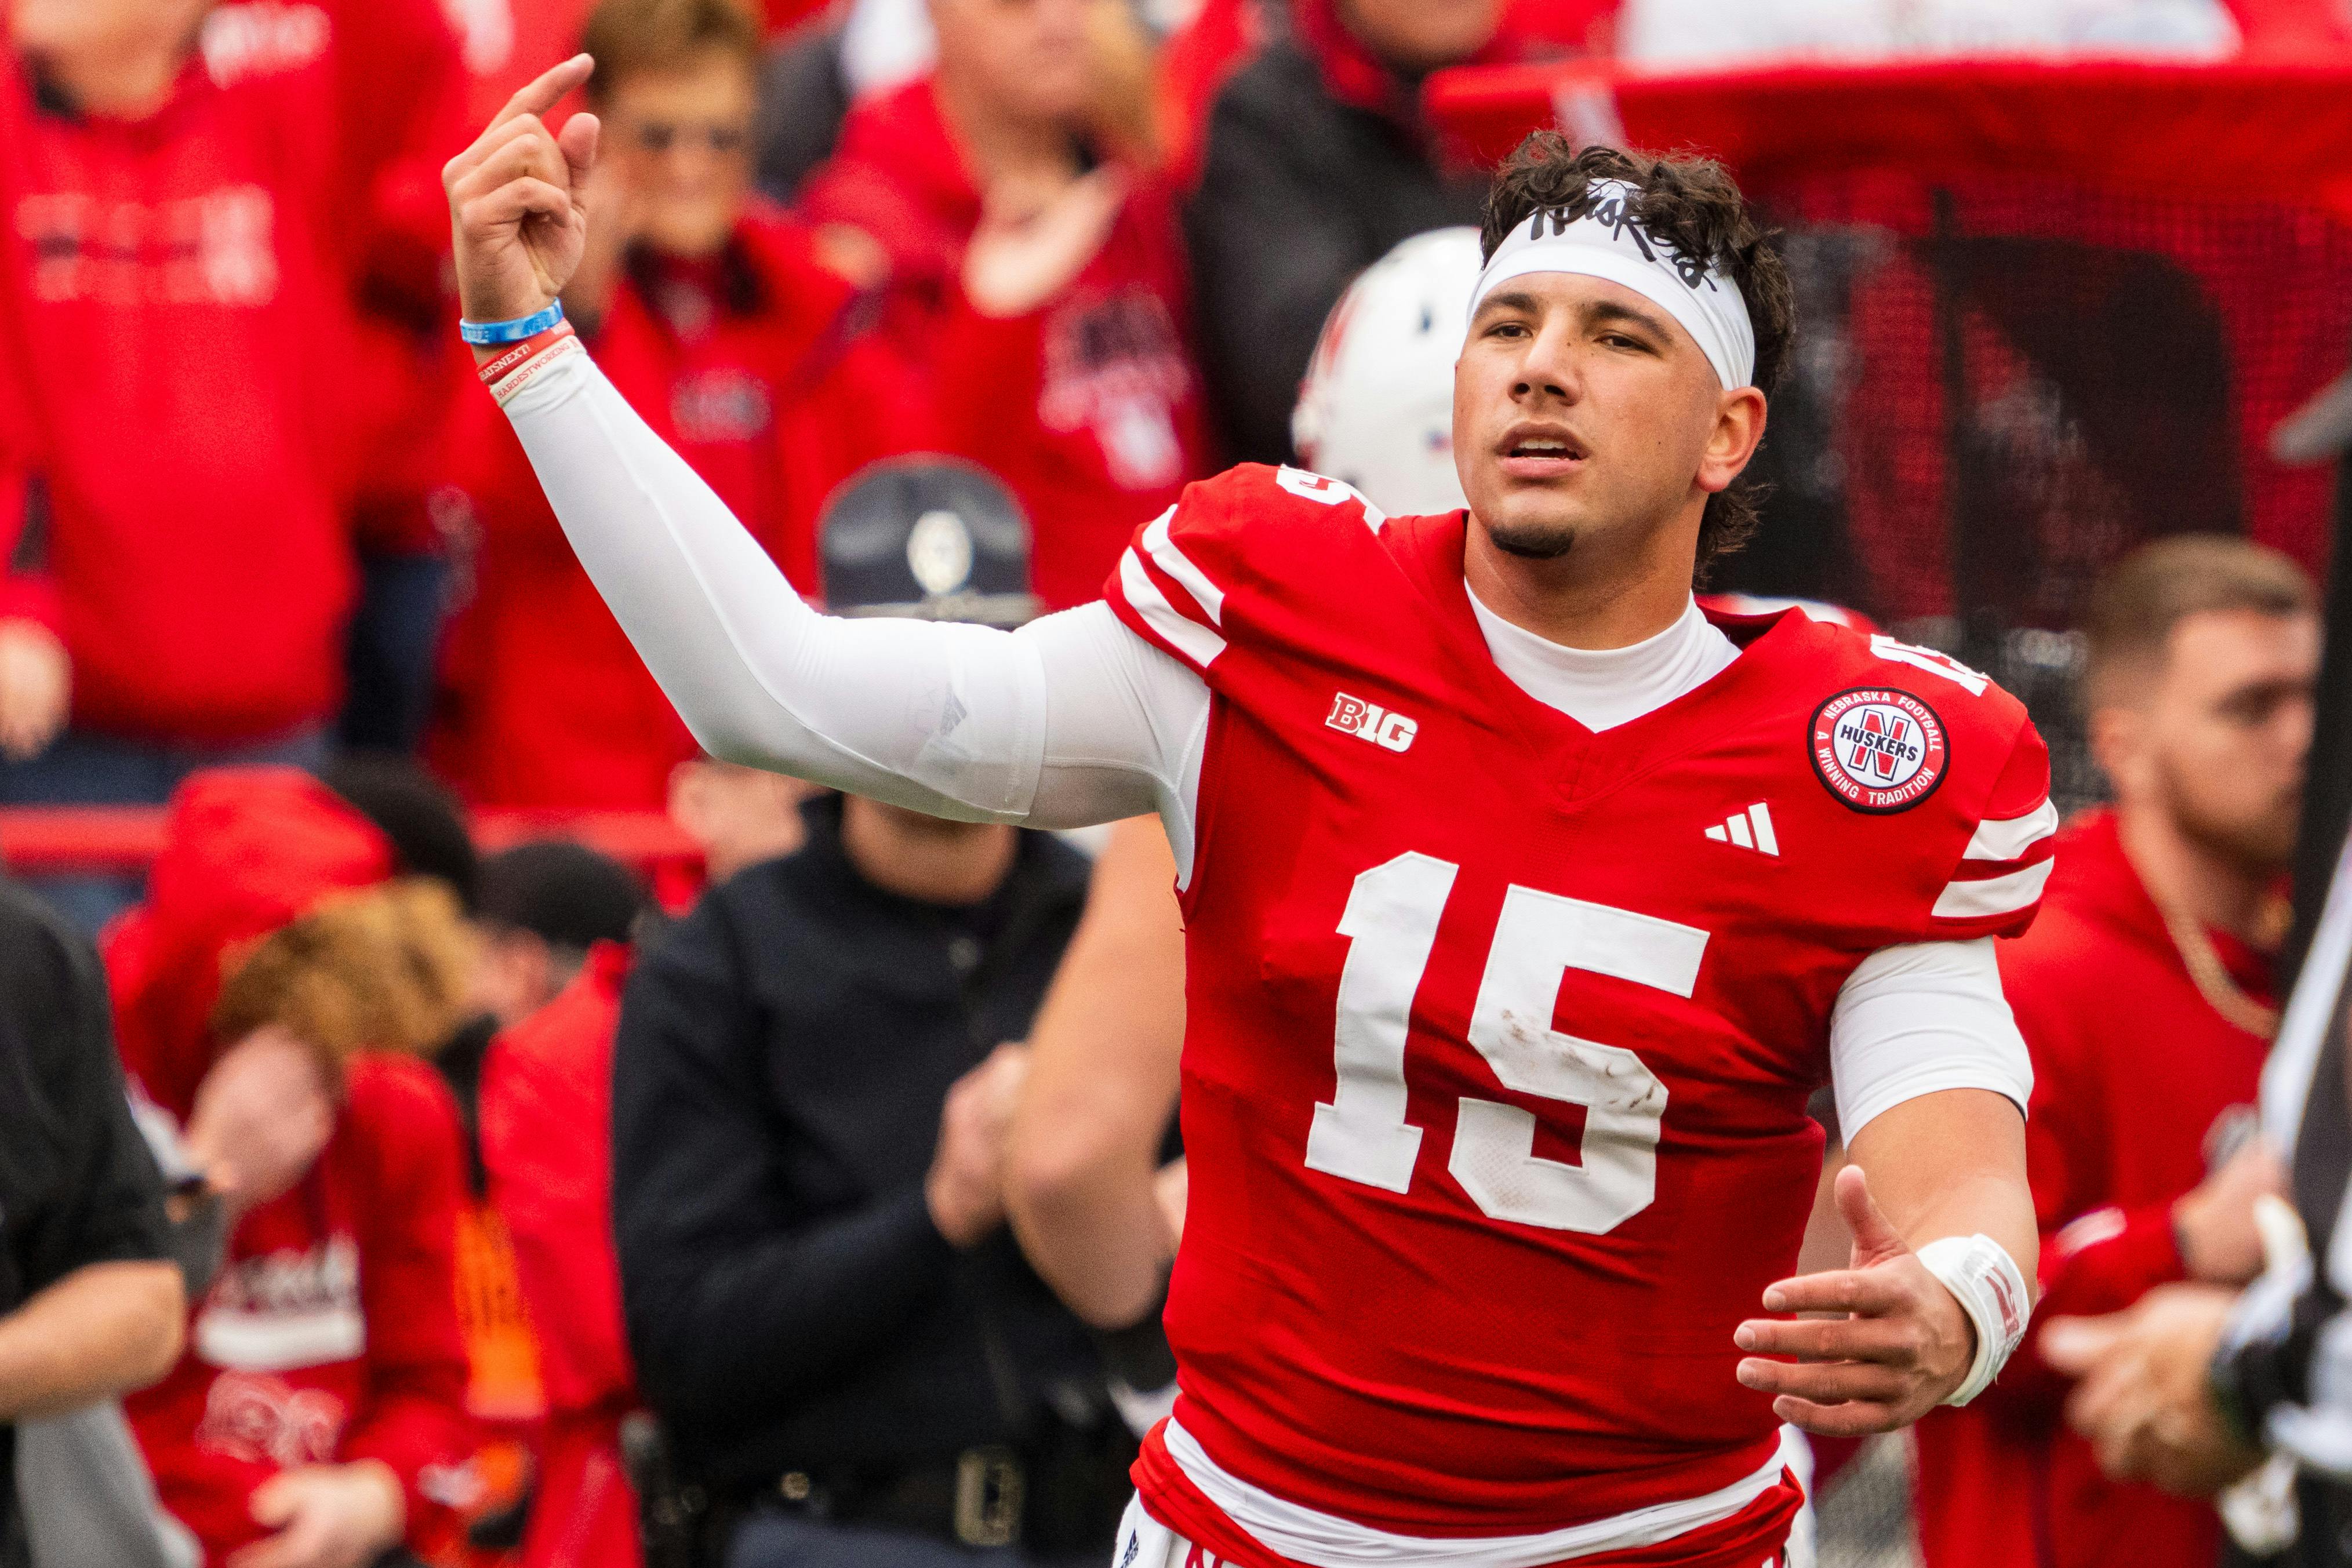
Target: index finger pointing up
point(535, 97)
point(541, 94)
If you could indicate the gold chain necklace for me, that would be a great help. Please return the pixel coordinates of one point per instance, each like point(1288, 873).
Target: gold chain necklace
point(2213, 977)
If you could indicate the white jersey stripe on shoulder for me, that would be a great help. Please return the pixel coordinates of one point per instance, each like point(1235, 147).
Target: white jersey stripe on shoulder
point(1994, 896)
point(2006, 838)
point(1326, 1540)
point(1178, 565)
point(1188, 637)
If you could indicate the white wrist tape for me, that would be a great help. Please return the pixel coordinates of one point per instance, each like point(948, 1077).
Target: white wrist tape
point(1986, 1280)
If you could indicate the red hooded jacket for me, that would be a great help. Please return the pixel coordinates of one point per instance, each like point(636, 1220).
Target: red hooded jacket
point(2131, 1067)
point(751, 367)
point(554, 1070)
point(401, 107)
point(245, 851)
point(331, 1334)
point(1088, 407)
point(180, 323)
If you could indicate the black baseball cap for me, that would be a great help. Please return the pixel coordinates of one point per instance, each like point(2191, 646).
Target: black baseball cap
point(564, 893)
point(927, 535)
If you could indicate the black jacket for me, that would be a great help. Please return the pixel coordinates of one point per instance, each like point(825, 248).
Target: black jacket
point(77, 1184)
point(784, 1051)
point(1298, 193)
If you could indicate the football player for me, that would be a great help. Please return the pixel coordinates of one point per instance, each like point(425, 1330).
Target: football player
point(1524, 901)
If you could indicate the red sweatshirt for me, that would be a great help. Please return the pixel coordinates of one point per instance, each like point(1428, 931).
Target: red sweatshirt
point(179, 325)
point(398, 93)
point(332, 1331)
point(509, 42)
point(2131, 1067)
point(1089, 407)
point(750, 367)
point(331, 1334)
point(388, 77)
point(554, 1070)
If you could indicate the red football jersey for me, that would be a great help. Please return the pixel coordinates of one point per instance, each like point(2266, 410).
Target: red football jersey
point(1501, 1030)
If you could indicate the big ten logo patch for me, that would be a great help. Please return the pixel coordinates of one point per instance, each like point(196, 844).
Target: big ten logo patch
point(1370, 721)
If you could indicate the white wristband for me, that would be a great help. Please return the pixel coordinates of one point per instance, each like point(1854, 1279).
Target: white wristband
point(1985, 1278)
point(509, 386)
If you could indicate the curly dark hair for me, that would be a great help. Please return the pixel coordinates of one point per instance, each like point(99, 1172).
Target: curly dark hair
point(1693, 205)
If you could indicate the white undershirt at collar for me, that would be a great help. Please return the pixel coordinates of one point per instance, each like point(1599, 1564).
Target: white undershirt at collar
point(1604, 687)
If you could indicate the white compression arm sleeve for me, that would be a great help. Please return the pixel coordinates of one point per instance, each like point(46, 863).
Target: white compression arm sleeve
point(1915, 1019)
point(1072, 720)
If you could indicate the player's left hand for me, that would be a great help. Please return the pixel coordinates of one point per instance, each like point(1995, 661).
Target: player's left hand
point(2144, 1401)
point(1903, 1345)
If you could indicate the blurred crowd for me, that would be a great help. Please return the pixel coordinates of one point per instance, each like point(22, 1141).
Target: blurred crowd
point(252, 512)
point(474, 1208)
point(1035, 236)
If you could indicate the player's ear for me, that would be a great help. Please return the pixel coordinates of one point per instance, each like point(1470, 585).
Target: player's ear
point(1738, 430)
point(2118, 736)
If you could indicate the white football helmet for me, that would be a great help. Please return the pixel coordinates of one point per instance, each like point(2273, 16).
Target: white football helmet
point(1376, 409)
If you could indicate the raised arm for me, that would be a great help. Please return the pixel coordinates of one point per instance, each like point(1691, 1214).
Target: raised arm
point(1071, 720)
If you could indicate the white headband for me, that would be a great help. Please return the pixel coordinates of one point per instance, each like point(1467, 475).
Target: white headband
point(1608, 243)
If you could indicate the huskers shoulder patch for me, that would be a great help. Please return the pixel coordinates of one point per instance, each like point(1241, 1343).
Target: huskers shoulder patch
point(1878, 750)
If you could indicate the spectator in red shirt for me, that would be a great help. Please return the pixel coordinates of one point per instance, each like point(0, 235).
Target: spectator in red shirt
point(1036, 275)
point(2144, 993)
point(715, 318)
point(320, 1405)
point(554, 1069)
point(162, 389)
point(176, 312)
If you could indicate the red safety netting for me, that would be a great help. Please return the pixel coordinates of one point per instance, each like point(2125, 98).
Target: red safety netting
point(2047, 311)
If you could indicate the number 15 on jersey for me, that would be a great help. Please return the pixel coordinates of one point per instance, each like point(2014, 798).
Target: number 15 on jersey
point(1362, 1134)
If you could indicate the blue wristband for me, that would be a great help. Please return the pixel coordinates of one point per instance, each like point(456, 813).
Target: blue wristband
point(513, 331)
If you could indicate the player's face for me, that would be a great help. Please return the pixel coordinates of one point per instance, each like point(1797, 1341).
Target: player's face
point(2228, 729)
point(1586, 417)
point(681, 145)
